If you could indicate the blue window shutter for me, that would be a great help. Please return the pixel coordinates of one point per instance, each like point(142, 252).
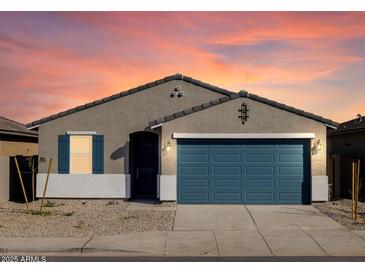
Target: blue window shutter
point(64, 154)
point(98, 154)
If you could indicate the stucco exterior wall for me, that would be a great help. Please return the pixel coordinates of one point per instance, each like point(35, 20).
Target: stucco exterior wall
point(12, 148)
point(117, 119)
point(224, 118)
point(4, 178)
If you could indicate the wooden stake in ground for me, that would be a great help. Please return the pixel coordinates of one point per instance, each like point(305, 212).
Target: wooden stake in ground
point(33, 187)
point(357, 182)
point(22, 184)
point(353, 190)
point(45, 186)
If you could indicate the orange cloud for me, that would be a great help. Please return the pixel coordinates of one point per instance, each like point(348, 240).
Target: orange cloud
point(53, 61)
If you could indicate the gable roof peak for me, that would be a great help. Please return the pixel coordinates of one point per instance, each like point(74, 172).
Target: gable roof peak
point(179, 76)
point(244, 94)
point(166, 79)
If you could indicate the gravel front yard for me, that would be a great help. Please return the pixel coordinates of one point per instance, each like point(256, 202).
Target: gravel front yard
point(81, 218)
point(340, 211)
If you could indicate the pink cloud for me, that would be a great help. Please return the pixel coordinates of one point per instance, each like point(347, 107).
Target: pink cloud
point(78, 57)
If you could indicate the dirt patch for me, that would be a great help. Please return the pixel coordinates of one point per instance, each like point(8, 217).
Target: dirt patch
point(82, 218)
point(340, 211)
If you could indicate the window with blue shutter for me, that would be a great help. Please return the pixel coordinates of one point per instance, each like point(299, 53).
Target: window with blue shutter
point(98, 154)
point(64, 154)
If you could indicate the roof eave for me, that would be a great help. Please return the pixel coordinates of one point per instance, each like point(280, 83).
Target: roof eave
point(16, 133)
point(244, 94)
point(346, 131)
point(166, 79)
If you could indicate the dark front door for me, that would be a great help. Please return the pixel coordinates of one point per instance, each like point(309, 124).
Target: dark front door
point(144, 164)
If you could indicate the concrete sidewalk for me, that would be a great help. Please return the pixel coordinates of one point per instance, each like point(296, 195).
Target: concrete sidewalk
point(248, 231)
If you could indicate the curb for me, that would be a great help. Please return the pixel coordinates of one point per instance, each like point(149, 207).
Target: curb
point(42, 250)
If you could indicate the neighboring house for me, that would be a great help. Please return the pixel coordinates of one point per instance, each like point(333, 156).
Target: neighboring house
point(345, 145)
point(179, 139)
point(15, 139)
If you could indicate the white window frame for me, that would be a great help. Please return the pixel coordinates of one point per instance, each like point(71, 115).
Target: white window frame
point(91, 153)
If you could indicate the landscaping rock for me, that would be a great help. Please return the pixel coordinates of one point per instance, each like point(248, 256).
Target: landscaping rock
point(82, 218)
point(340, 211)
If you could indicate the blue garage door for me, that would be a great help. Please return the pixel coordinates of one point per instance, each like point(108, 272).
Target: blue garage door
point(223, 171)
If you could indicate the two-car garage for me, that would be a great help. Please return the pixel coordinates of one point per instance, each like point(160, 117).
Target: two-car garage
point(243, 171)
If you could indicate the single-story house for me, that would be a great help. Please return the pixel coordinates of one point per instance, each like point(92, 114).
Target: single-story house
point(180, 139)
point(15, 139)
point(345, 145)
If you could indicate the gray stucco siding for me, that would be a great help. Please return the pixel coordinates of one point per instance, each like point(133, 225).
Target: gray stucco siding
point(117, 119)
point(224, 118)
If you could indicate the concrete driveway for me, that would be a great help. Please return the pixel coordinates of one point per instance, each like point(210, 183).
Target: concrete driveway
point(215, 230)
point(237, 230)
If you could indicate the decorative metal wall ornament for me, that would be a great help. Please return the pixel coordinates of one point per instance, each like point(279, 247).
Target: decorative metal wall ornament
point(243, 112)
point(177, 92)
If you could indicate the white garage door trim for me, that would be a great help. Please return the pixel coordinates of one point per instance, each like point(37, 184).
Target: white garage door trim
point(243, 135)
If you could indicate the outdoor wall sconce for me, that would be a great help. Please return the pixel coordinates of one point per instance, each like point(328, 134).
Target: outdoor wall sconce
point(317, 147)
point(166, 147)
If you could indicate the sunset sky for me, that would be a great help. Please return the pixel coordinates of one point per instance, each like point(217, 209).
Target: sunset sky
point(53, 61)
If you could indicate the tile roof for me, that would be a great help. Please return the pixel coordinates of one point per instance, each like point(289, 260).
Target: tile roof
point(354, 125)
point(131, 91)
point(10, 127)
point(228, 95)
point(242, 94)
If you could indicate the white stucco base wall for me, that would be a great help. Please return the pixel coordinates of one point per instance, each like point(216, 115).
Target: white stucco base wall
point(85, 185)
point(319, 188)
point(167, 187)
point(119, 186)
